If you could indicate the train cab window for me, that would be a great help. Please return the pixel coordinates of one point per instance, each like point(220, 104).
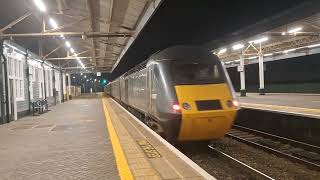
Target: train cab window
point(197, 73)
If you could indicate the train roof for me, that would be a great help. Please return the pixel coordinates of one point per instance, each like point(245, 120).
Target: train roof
point(180, 52)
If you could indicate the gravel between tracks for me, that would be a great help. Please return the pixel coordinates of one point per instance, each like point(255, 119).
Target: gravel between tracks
point(278, 168)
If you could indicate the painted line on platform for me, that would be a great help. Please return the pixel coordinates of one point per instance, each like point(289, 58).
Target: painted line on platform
point(122, 164)
point(315, 113)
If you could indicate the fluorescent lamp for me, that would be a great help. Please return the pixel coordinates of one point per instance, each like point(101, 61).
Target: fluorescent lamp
point(71, 50)
point(237, 46)
point(222, 51)
point(313, 45)
point(68, 44)
point(257, 41)
point(238, 60)
point(294, 30)
point(228, 62)
point(53, 23)
point(270, 54)
point(253, 57)
point(81, 64)
point(289, 50)
point(40, 5)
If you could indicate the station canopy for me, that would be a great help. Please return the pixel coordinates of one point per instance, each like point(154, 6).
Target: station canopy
point(301, 37)
point(77, 35)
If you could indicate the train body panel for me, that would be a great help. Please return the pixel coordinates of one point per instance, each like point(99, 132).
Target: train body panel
point(202, 121)
point(170, 79)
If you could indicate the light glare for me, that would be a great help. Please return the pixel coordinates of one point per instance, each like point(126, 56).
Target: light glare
point(53, 23)
point(222, 51)
point(68, 44)
point(40, 5)
point(237, 46)
point(294, 30)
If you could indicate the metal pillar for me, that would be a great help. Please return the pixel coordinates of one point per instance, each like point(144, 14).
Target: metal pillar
point(2, 95)
point(6, 84)
point(241, 69)
point(28, 82)
point(261, 75)
point(69, 86)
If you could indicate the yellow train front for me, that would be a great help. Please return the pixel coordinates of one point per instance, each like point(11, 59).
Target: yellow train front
point(182, 92)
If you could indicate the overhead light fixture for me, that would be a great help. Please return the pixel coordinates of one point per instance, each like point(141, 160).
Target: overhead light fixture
point(289, 50)
point(81, 64)
point(40, 5)
point(222, 51)
point(53, 23)
point(68, 44)
point(294, 30)
point(237, 46)
point(260, 40)
point(283, 33)
point(313, 45)
point(253, 57)
point(71, 50)
point(238, 60)
point(270, 54)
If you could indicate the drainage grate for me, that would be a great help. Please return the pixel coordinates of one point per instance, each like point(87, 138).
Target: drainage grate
point(148, 149)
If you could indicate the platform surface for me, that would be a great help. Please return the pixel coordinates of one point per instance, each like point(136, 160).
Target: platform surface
point(88, 138)
point(298, 104)
point(68, 142)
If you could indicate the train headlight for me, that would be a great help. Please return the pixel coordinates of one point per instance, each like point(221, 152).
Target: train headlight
point(186, 106)
point(176, 107)
point(232, 103)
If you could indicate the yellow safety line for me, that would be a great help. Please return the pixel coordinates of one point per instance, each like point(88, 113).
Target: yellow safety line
point(280, 107)
point(122, 164)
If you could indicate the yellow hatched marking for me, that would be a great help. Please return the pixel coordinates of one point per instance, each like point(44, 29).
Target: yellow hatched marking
point(122, 164)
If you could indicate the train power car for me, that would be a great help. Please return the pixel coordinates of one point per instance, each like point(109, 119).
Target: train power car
point(182, 93)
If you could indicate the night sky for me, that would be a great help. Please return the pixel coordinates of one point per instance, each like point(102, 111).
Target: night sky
point(210, 23)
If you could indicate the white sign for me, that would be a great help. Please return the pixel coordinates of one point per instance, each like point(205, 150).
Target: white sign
point(98, 73)
point(240, 68)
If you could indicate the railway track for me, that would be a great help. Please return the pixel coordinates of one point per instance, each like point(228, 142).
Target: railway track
point(243, 167)
point(296, 151)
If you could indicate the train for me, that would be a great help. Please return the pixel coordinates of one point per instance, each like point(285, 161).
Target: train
point(182, 92)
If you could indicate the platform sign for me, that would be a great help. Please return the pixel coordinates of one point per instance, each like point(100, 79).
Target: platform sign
point(98, 74)
point(240, 68)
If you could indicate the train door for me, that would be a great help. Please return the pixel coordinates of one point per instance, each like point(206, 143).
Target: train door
point(152, 91)
point(126, 89)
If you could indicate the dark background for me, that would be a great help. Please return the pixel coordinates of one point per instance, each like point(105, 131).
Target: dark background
point(294, 75)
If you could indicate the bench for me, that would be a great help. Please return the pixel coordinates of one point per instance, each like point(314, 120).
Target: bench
point(39, 106)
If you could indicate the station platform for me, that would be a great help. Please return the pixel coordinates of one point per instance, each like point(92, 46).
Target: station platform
point(296, 104)
point(89, 138)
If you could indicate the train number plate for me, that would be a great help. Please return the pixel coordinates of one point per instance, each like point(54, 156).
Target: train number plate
point(148, 149)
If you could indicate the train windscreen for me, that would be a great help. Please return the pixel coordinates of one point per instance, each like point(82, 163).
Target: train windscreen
point(197, 73)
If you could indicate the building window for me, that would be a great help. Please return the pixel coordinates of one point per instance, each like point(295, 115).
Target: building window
point(15, 66)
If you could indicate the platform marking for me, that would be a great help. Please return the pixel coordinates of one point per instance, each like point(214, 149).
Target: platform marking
point(148, 149)
point(284, 109)
point(122, 164)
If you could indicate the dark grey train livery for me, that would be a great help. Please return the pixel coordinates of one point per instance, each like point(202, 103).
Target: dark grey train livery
point(182, 92)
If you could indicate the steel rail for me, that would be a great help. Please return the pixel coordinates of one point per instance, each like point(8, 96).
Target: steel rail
point(246, 167)
point(276, 152)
